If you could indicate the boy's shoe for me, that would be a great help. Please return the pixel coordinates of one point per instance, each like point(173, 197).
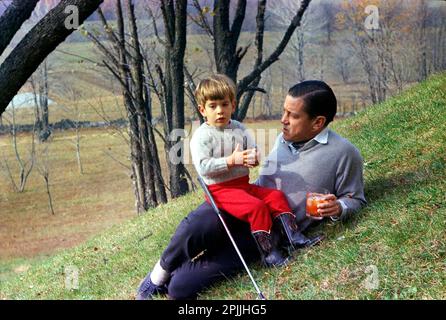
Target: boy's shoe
point(271, 255)
point(296, 239)
point(147, 289)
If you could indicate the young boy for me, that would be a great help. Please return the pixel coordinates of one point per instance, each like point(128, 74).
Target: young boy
point(224, 166)
point(217, 154)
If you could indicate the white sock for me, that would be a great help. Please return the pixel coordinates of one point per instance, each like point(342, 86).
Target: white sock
point(159, 276)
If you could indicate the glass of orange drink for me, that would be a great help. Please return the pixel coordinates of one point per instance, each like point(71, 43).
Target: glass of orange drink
point(313, 199)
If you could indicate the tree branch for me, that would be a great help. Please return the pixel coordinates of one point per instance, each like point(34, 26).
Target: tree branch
point(119, 162)
point(251, 88)
point(275, 55)
point(99, 64)
point(202, 20)
point(110, 33)
point(9, 174)
point(12, 19)
point(168, 16)
point(190, 89)
point(260, 29)
point(38, 43)
point(155, 27)
point(238, 19)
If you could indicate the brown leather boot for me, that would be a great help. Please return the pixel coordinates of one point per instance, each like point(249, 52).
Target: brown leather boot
point(296, 238)
point(271, 256)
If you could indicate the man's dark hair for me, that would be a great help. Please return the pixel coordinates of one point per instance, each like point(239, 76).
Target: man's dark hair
point(319, 99)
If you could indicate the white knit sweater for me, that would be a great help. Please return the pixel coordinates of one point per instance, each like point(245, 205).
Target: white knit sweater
point(211, 145)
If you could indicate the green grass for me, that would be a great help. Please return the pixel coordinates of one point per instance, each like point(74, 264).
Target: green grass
point(400, 234)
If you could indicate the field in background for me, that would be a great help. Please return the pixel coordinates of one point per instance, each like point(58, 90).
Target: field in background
point(84, 204)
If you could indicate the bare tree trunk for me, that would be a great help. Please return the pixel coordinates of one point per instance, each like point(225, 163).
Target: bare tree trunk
point(126, 63)
point(143, 114)
point(382, 66)
point(227, 55)
point(342, 63)
point(300, 55)
point(50, 199)
point(262, 98)
point(423, 19)
point(364, 57)
point(78, 150)
point(175, 17)
point(442, 45)
point(43, 95)
point(329, 18)
point(321, 67)
point(37, 116)
point(253, 107)
point(161, 195)
point(134, 130)
point(44, 169)
point(260, 22)
point(77, 141)
point(283, 12)
point(268, 86)
point(39, 84)
point(395, 72)
point(25, 167)
point(282, 83)
point(190, 91)
point(439, 46)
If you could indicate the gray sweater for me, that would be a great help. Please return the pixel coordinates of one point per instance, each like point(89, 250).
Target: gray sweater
point(335, 165)
point(211, 145)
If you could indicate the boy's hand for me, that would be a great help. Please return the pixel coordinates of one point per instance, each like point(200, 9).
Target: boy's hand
point(248, 158)
point(251, 159)
point(236, 158)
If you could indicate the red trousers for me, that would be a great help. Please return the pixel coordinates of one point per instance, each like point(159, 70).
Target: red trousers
point(250, 203)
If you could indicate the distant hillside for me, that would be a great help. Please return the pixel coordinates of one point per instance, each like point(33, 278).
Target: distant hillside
point(43, 6)
point(108, 7)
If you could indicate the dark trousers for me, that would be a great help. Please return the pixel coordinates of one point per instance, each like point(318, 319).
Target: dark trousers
point(201, 231)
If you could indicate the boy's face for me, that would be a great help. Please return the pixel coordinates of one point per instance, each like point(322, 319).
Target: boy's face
point(218, 112)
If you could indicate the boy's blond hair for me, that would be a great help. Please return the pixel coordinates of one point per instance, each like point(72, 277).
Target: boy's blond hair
point(215, 87)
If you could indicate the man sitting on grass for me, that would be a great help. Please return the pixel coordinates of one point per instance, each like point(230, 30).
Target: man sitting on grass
point(306, 154)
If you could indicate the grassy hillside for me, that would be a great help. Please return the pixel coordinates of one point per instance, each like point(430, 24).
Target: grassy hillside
point(399, 237)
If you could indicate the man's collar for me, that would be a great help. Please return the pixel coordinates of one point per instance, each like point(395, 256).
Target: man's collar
point(321, 137)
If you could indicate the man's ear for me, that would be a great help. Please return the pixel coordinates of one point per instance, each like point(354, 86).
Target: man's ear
point(319, 123)
point(233, 106)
